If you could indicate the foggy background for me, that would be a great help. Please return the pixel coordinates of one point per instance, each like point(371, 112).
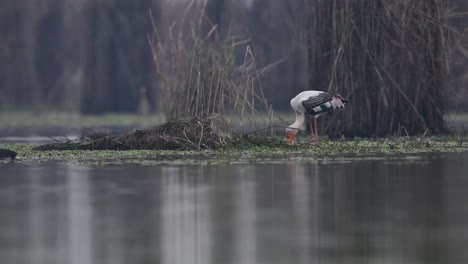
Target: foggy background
point(93, 55)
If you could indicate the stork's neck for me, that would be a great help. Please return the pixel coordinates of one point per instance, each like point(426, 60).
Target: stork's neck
point(300, 121)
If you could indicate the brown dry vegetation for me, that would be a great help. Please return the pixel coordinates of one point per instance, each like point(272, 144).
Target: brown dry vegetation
point(188, 134)
point(391, 58)
point(198, 74)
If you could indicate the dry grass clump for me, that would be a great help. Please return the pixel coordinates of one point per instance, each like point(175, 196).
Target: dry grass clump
point(186, 134)
point(198, 73)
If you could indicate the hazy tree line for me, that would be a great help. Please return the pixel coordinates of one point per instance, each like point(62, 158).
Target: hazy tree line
point(91, 54)
point(94, 55)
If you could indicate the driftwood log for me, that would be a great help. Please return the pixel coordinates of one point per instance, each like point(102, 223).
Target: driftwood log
point(189, 134)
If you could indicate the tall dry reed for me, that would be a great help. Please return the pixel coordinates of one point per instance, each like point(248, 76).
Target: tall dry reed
point(390, 57)
point(198, 73)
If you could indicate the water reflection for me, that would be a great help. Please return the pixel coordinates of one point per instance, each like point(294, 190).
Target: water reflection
point(375, 211)
point(80, 215)
point(186, 222)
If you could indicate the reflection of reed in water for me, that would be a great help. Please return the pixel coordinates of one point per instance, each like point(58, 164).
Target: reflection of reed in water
point(245, 226)
point(302, 206)
point(186, 222)
point(80, 215)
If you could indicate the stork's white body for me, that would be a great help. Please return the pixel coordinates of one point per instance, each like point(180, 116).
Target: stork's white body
point(296, 105)
point(312, 103)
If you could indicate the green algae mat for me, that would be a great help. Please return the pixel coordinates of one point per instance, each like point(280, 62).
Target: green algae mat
point(254, 148)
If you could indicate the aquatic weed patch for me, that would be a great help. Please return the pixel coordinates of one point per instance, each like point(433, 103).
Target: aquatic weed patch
point(28, 152)
point(248, 148)
point(276, 145)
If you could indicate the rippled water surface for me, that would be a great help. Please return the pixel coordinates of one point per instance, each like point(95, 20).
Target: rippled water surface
point(349, 211)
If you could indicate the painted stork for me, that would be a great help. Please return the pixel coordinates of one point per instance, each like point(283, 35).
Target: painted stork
point(312, 104)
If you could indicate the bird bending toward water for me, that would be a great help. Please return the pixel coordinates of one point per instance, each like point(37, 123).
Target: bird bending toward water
point(312, 104)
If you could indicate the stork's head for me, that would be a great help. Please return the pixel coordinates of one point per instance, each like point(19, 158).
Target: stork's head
point(290, 136)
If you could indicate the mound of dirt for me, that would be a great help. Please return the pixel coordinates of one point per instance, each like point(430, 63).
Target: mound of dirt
point(189, 134)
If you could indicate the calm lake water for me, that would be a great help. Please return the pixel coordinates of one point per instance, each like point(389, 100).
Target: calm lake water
point(343, 211)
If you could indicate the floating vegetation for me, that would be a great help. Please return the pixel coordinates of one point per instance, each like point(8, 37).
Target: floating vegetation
point(249, 148)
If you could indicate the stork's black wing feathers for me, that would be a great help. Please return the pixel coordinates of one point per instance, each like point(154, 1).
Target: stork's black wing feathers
point(316, 101)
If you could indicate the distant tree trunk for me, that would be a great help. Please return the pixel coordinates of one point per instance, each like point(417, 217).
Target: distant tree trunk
point(48, 53)
point(29, 89)
point(276, 29)
point(118, 56)
point(215, 13)
point(388, 57)
point(18, 37)
point(10, 34)
point(96, 96)
point(31, 60)
point(74, 29)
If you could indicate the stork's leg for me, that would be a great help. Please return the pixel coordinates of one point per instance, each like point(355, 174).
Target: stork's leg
point(311, 131)
point(316, 130)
